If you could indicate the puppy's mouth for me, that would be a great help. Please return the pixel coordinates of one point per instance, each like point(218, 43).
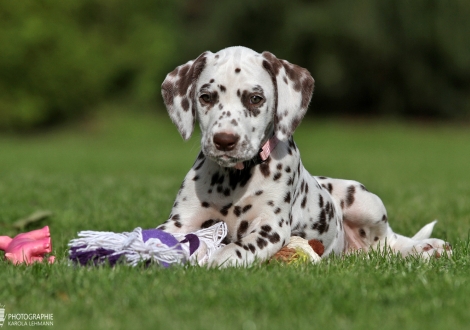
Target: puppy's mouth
point(229, 159)
point(226, 160)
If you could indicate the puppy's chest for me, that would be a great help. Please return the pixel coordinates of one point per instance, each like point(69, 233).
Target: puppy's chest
point(232, 196)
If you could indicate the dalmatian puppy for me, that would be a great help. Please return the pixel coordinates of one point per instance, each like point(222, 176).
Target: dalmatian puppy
point(249, 173)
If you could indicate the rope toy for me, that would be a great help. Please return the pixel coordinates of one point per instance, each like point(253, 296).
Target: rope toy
point(165, 249)
point(146, 246)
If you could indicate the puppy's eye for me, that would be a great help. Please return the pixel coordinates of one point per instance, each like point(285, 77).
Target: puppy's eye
point(205, 98)
point(256, 99)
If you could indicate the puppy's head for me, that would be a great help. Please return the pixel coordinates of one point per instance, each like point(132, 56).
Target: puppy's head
point(240, 98)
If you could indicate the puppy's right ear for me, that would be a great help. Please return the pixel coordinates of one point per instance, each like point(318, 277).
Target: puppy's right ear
point(178, 91)
point(293, 88)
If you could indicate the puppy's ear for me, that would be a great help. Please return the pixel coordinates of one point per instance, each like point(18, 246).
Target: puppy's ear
point(293, 88)
point(178, 91)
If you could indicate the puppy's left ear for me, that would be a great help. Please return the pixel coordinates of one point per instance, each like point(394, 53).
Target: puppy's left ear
point(293, 88)
point(178, 92)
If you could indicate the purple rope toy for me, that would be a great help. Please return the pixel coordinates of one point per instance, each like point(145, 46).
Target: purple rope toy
point(146, 246)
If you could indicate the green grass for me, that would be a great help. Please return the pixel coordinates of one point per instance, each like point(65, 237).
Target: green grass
point(120, 171)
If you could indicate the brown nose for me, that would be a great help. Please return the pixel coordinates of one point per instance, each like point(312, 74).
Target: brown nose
point(225, 141)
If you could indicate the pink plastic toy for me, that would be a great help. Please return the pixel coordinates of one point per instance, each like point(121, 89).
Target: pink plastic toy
point(28, 247)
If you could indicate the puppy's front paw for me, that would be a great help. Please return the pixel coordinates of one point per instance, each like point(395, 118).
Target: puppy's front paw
point(228, 256)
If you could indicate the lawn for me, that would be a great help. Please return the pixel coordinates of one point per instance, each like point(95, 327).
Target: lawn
point(120, 171)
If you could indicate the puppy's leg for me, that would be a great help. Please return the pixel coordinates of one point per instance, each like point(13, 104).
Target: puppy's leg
point(420, 244)
point(364, 215)
point(263, 240)
point(366, 223)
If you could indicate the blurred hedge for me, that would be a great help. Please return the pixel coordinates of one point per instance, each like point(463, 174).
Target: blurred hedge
point(386, 57)
point(60, 58)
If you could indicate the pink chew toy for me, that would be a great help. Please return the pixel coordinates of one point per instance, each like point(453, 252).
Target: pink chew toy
point(28, 247)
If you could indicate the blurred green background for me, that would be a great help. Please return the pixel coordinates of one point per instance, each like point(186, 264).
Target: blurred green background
point(62, 60)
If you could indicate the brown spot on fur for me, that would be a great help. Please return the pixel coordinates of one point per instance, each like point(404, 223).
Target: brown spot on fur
point(287, 197)
point(201, 162)
point(224, 210)
point(167, 92)
point(304, 202)
point(350, 195)
point(246, 208)
point(242, 228)
point(320, 201)
point(274, 238)
point(266, 228)
point(237, 210)
point(185, 104)
point(328, 187)
point(272, 63)
point(264, 169)
point(209, 223)
point(261, 243)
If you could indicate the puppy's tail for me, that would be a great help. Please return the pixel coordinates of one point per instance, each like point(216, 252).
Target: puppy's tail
point(424, 232)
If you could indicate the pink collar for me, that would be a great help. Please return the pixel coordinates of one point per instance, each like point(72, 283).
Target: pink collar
point(265, 151)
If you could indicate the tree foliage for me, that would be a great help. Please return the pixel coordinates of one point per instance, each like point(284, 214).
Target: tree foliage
point(388, 57)
point(59, 59)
